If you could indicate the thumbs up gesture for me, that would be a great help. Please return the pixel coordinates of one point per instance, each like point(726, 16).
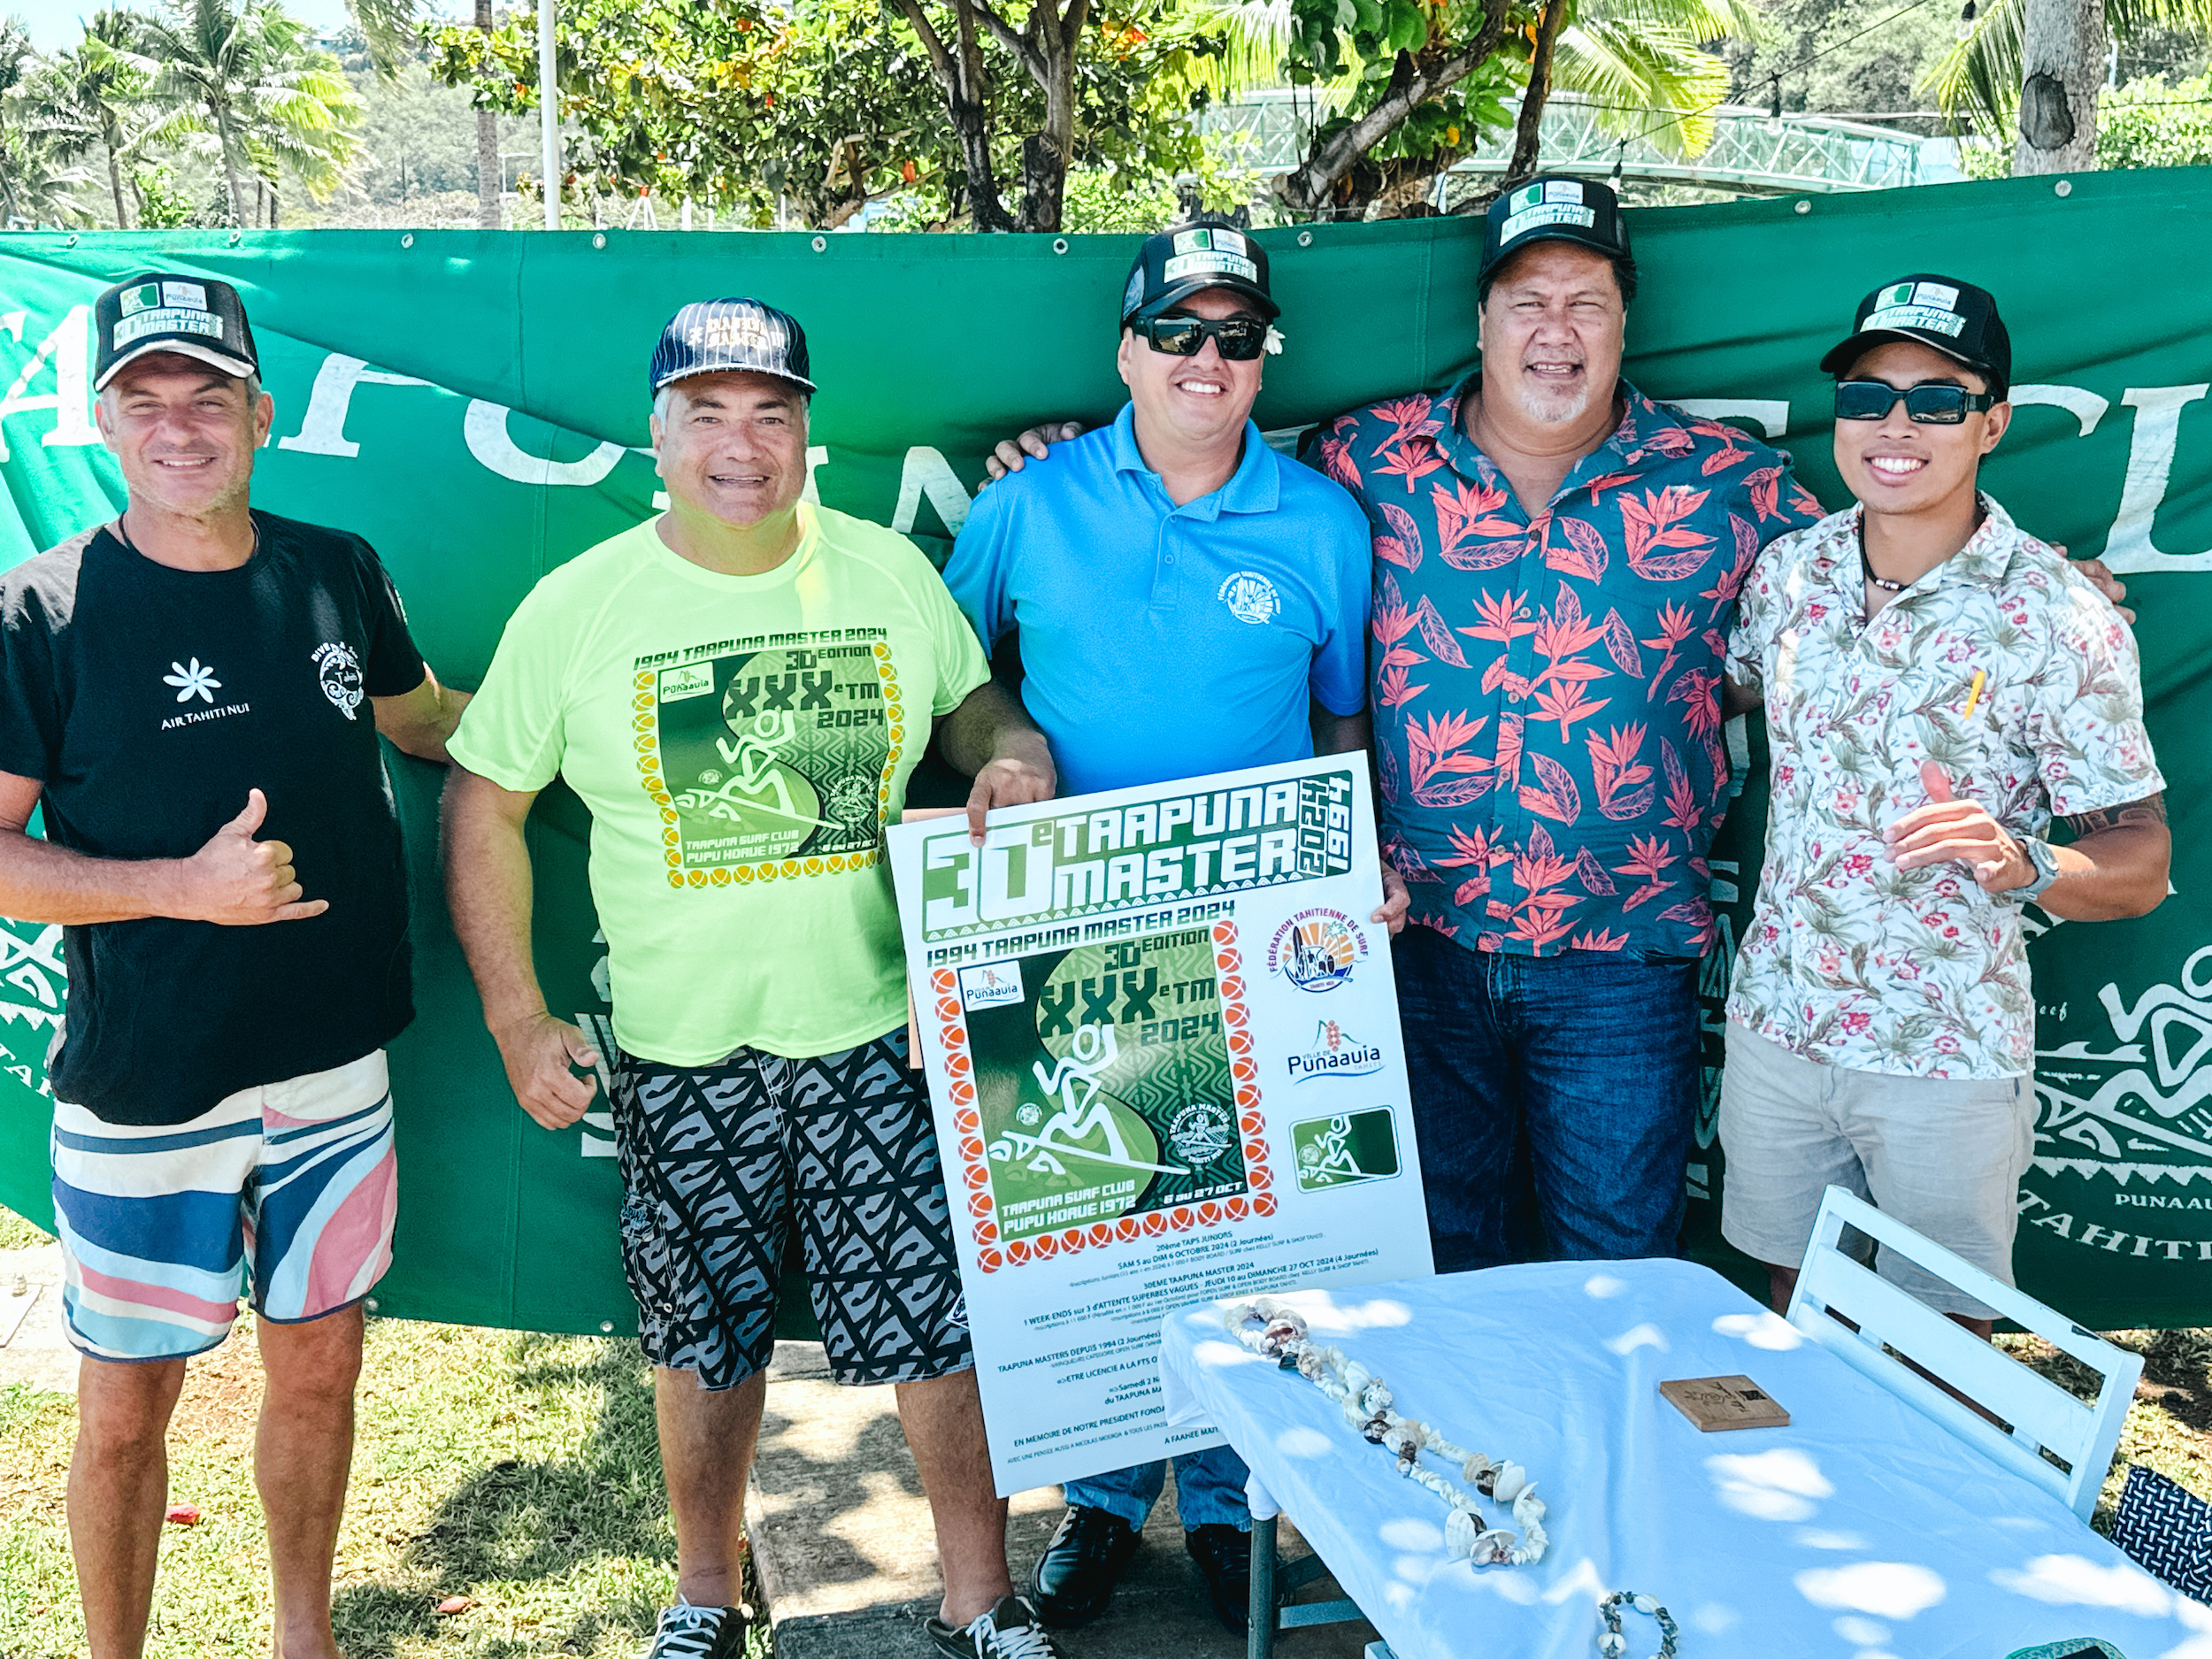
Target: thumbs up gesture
point(241, 882)
point(1948, 830)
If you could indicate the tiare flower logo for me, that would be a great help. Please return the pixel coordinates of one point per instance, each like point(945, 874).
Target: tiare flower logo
point(192, 681)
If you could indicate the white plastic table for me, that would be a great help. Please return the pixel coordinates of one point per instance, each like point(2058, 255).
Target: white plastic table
point(1862, 1531)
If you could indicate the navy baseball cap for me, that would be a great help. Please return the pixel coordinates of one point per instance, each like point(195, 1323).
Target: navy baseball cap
point(730, 337)
point(1552, 208)
point(1955, 317)
point(161, 310)
point(1187, 259)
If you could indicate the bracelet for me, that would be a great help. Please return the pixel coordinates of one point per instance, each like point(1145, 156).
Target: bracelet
point(1613, 1645)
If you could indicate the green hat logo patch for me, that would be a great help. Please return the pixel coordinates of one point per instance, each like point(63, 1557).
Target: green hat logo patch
point(145, 298)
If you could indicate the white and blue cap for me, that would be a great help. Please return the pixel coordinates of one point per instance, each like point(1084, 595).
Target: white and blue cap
point(730, 336)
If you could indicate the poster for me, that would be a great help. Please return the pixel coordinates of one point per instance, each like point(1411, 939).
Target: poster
point(1162, 1041)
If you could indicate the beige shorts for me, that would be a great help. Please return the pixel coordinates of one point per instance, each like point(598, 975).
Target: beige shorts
point(1943, 1156)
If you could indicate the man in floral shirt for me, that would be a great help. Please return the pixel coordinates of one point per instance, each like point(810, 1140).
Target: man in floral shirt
point(1939, 686)
point(1557, 561)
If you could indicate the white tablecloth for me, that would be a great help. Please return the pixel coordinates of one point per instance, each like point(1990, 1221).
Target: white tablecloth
point(1862, 1530)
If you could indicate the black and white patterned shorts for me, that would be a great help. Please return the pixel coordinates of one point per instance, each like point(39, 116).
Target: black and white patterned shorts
point(717, 1164)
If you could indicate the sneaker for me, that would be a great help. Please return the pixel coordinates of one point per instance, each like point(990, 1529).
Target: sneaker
point(700, 1633)
point(1009, 1631)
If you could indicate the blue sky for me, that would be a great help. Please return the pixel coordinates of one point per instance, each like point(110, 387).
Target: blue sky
point(56, 24)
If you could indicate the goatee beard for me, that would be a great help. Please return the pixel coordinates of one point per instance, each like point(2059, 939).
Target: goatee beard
point(1554, 409)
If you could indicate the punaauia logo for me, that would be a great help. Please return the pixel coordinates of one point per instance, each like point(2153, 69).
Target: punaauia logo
point(1335, 1053)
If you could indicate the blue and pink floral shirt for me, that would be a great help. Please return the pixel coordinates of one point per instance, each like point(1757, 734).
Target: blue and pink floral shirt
point(1547, 691)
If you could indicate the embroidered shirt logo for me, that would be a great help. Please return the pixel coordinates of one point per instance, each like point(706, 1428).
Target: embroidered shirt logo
point(192, 681)
point(339, 669)
point(1250, 598)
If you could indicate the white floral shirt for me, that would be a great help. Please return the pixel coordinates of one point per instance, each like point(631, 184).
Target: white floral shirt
point(1848, 960)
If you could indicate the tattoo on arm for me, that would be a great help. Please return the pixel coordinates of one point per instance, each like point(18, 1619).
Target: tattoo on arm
point(2150, 809)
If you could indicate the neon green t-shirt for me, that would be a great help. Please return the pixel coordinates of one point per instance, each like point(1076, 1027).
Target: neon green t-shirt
point(740, 740)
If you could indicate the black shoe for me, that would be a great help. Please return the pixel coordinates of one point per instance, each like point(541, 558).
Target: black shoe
point(1076, 1576)
point(1009, 1631)
point(686, 1631)
point(1224, 1556)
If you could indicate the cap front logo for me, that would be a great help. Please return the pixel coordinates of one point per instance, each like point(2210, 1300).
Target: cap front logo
point(144, 298)
point(1896, 294)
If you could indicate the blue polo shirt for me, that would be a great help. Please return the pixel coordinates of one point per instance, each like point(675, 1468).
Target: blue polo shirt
point(1160, 641)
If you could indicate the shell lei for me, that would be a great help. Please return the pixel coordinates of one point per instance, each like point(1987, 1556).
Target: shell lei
point(1278, 1334)
point(1613, 1645)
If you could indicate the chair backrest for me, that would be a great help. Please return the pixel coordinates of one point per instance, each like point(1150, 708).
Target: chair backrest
point(2054, 1439)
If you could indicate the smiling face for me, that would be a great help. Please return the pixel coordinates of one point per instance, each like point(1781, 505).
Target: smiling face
point(1199, 402)
point(184, 432)
point(1897, 465)
point(733, 446)
point(1551, 334)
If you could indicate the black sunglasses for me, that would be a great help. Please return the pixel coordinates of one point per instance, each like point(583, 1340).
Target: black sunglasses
point(1239, 339)
point(1931, 403)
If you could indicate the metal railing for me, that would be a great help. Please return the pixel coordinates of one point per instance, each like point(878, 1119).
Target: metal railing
point(1752, 153)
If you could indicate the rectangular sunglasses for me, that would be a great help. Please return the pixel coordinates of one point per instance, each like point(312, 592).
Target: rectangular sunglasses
point(1239, 339)
point(1931, 403)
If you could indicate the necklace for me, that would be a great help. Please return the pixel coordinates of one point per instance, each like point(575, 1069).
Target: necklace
point(1613, 1644)
point(1277, 1333)
point(1867, 570)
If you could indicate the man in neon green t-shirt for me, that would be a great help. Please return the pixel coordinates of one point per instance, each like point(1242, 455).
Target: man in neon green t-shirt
point(738, 690)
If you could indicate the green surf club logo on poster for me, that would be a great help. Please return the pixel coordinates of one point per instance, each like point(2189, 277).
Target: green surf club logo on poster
point(770, 756)
point(1345, 1149)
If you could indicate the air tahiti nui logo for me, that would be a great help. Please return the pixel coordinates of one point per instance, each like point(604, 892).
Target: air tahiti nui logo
point(1316, 950)
point(1335, 1053)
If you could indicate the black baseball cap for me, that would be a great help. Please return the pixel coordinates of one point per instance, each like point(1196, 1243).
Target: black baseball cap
point(1549, 208)
point(1186, 260)
point(1955, 317)
point(730, 337)
point(161, 310)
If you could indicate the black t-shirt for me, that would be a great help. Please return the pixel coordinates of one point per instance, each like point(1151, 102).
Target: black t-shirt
point(147, 702)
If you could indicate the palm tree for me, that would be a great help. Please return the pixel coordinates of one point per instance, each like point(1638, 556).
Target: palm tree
point(37, 184)
point(1978, 81)
point(267, 97)
point(102, 87)
point(1632, 58)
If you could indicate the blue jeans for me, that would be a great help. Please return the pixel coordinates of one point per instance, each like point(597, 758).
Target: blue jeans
point(1209, 1490)
point(1589, 1059)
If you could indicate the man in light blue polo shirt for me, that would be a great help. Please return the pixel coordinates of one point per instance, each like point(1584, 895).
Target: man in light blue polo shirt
point(1185, 600)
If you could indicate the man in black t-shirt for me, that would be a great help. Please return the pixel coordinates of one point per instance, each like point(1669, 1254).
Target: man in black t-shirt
point(192, 695)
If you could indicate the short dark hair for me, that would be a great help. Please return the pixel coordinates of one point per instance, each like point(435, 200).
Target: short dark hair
point(1623, 275)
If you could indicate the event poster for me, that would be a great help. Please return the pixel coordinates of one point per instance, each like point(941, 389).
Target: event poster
point(1162, 1041)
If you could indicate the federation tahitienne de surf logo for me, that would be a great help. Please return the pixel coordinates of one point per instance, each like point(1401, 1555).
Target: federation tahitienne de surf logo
point(1316, 950)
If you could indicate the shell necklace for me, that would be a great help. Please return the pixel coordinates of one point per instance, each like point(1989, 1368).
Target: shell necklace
point(1277, 1333)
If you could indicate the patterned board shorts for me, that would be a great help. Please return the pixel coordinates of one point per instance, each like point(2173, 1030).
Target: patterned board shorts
point(718, 1162)
point(290, 1187)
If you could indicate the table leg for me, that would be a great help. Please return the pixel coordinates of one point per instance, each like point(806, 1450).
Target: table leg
point(1260, 1642)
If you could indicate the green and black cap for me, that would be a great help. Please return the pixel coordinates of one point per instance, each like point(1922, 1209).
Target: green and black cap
point(1955, 317)
point(1549, 208)
point(161, 310)
point(1186, 260)
point(730, 336)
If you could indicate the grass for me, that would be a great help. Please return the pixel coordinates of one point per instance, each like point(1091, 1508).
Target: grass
point(519, 1470)
point(522, 1472)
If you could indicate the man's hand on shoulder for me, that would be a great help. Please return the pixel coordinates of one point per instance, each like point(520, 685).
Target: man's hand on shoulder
point(237, 881)
point(2102, 578)
point(541, 1053)
point(1012, 454)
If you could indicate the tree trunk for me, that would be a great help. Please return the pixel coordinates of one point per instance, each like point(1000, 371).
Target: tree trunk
point(489, 177)
point(230, 168)
point(115, 183)
point(959, 71)
point(2062, 68)
point(1049, 56)
point(1527, 129)
point(1310, 186)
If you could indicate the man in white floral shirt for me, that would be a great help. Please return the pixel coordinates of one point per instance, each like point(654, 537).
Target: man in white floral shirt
point(1939, 685)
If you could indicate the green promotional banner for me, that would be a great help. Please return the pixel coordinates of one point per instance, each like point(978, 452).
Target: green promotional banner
point(473, 404)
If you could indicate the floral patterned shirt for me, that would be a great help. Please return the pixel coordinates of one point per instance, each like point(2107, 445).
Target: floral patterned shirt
point(1547, 691)
point(1921, 974)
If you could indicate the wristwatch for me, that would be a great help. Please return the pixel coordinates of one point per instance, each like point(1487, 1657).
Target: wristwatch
point(2044, 857)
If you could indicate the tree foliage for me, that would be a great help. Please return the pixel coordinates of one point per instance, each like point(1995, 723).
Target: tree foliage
point(1978, 82)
